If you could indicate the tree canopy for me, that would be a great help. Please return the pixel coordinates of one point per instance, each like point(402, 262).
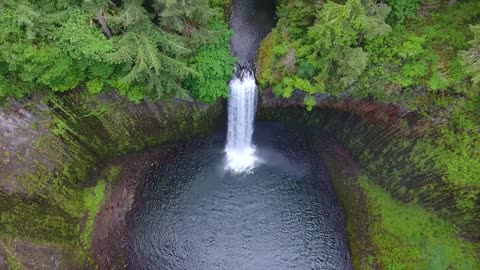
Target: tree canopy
point(145, 49)
point(423, 58)
point(365, 48)
point(323, 48)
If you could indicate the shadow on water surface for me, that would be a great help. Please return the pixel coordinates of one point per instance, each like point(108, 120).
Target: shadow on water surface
point(192, 214)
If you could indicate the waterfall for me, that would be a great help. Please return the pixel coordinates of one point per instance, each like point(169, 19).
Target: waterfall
point(241, 113)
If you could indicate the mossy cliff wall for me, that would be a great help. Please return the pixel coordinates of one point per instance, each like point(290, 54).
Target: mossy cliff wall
point(51, 146)
point(387, 143)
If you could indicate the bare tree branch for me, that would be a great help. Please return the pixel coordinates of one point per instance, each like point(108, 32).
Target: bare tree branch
point(103, 23)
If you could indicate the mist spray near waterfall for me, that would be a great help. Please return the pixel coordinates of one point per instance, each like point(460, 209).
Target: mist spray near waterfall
point(241, 113)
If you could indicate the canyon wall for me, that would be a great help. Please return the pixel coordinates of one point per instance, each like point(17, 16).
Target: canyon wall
point(384, 143)
point(51, 151)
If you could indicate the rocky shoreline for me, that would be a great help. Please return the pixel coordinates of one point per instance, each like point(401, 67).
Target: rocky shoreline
point(109, 241)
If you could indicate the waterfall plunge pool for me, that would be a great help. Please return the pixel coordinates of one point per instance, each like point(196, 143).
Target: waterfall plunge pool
point(191, 213)
point(196, 211)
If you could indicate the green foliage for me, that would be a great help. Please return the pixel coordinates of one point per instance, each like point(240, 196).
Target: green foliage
point(320, 50)
point(438, 81)
point(222, 4)
point(92, 199)
point(424, 54)
point(398, 58)
point(455, 149)
point(296, 16)
point(60, 46)
point(409, 237)
point(45, 50)
point(213, 65)
point(471, 57)
point(143, 70)
point(348, 48)
point(184, 16)
point(403, 9)
point(41, 220)
point(80, 41)
point(309, 102)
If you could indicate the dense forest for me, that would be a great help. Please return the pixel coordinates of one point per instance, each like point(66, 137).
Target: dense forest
point(145, 49)
point(422, 56)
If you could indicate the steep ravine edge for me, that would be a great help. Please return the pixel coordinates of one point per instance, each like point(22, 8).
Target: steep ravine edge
point(52, 149)
point(380, 140)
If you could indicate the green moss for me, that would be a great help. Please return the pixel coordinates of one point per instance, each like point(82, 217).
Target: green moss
point(61, 204)
point(389, 155)
point(265, 60)
point(13, 263)
point(112, 173)
point(92, 200)
point(410, 237)
point(46, 221)
point(35, 219)
point(353, 201)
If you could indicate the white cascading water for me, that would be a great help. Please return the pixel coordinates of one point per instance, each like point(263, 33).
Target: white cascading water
point(241, 113)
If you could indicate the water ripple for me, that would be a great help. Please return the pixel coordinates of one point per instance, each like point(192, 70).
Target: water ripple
point(191, 214)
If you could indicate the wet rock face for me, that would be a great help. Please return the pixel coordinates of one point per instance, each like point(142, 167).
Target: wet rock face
point(251, 21)
point(20, 128)
point(71, 133)
point(34, 255)
point(50, 150)
point(383, 139)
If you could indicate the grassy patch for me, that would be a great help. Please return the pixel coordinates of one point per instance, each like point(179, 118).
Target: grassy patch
point(410, 237)
point(13, 263)
point(92, 200)
point(39, 220)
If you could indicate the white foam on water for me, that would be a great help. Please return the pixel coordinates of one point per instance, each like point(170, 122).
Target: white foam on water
point(241, 113)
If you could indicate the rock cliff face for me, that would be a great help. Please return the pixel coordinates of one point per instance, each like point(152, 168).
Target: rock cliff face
point(68, 135)
point(382, 142)
point(51, 149)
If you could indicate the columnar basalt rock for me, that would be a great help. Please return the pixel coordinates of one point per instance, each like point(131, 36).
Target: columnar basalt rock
point(50, 150)
point(382, 138)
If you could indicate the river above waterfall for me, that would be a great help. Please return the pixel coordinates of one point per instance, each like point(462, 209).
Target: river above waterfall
point(193, 214)
point(251, 21)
